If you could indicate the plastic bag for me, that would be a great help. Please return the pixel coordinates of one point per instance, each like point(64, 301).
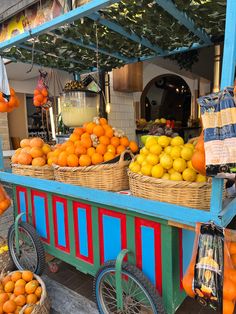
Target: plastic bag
point(211, 275)
point(41, 91)
point(218, 112)
point(5, 201)
point(4, 85)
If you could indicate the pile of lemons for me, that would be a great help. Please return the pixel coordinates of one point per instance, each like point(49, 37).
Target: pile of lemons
point(166, 158)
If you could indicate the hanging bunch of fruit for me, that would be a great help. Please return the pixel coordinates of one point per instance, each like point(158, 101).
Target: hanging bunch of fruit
point(5, 201)
point(198, 158)
point(41, 91)
point(8, 105)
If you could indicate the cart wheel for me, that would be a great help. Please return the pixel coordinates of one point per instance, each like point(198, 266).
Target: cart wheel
point(139, 295)
point(32, 255)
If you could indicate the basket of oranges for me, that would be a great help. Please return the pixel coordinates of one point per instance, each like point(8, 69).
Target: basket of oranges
point(31, 159)
point(23, 292)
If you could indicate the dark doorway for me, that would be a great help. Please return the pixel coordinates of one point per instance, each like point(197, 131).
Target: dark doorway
point(166, 96)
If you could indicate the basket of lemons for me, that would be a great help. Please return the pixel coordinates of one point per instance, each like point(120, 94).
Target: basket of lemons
point(163, 171)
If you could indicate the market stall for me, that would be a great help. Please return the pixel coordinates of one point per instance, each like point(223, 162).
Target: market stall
point(87, 227)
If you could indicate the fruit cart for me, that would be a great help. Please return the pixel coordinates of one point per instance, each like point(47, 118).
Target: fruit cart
point(134, 247)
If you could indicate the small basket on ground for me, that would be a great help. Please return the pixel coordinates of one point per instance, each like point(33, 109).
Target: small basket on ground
point(5, 260)
point(183, 193)
point(106, 176)
point(44, 172)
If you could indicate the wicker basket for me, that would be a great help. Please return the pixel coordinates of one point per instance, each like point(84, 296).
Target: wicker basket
point(109, 177)
point(195, 195)
point(45, 172)
point(44, 304)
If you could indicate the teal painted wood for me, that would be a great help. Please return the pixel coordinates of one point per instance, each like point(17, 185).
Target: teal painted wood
point(216, 196)
point(165, 211)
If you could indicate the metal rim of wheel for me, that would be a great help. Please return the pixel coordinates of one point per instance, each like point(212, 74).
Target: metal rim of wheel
point(136, 297)
point(31, 255)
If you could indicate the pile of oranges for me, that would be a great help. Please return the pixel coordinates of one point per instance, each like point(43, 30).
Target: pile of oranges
point(91, 144)
point(5, 201)
point(32, 152)
point(18, 290)
point(40, 97)
point(9, 106)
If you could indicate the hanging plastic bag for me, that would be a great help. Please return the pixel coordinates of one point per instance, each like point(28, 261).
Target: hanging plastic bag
point(218, 113)
point(41, 91)
point(5, 201)
point(211, 275)
point(4, 85)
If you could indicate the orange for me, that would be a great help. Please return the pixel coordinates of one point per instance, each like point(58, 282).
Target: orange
point(46, 149)
point(90, 127)
point(52, 160)
point(133, 146)
point(85, 160)
point(14, 159)
point(104, 140)
point(72, 160)
point(36, 142)
point(74, 137)
point(20, 282)
point(12, 296)
point(3, 106)
point(36, 152)
point(102, 121)
point(231, 274)
point(5, 204)
point(124, 141)
point(20, 300)
point(228, 307)
point(80, 150)
point(38, 292)
point(31, 286)
point(16, 276)
point(108, 156)
point(5, 280)
point(19, 290)
point(37, 103)
point(76, 143)
point(36, 92)
point(97, 159)
point(85, 125)
point(62, 159)
point(98, 130)
point(229, 290)
point(120, 149)
point(187, 284)
point(29, 309)
point(1, 308)
point(27, 275)
point(44, 92)
point(232, 248)
point(24, 143)
point(115, 141)
point(85, 135)
point(86, 142)
point(12, 101)
point(111, 149)
point(12, 91)
point(3, 297)
point(78, 131)
point(57, 152)
point(38, 98)
point(9, 306)
point(26, 149)
point(101, 149)
point(24, 159)
point(31, 298)
point(91, 151)
point(233, 258)
point(70, 150)
point(109, 132)
point(18, 151)
point(9, 286)
point(38, 162)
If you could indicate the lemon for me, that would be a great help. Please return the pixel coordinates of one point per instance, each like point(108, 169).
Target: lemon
point(171, 170)
point(150, 142)
point(166, 161)
point(146, 170)
point(144, 151)
point(176, 176)
point(175, 152)
point(189, 175)
point(190, 145)
point(200, 178)
point(164, 141)
point(134, 166)
point(155, 149)
point(168, 149)
point(179, 164)
point(163, 120)
point(177, 141)
point(140, 159)
point(152, 159)
point(166, 176)
point(187, 153)
point(189, 163)
point(144, 163)
point(157, 171)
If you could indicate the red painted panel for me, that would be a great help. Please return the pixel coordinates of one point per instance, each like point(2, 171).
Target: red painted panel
point(23, 190)
point(180, 258)
point(90, 257)
point(55, 200)
point(157, 246)
point(44, 196)
point(122, 217)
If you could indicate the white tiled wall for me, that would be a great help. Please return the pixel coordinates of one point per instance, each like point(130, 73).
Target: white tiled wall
point(122, 114)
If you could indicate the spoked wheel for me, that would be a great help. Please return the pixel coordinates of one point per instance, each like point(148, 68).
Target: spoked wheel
point(139, 295)
point(31, 252)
